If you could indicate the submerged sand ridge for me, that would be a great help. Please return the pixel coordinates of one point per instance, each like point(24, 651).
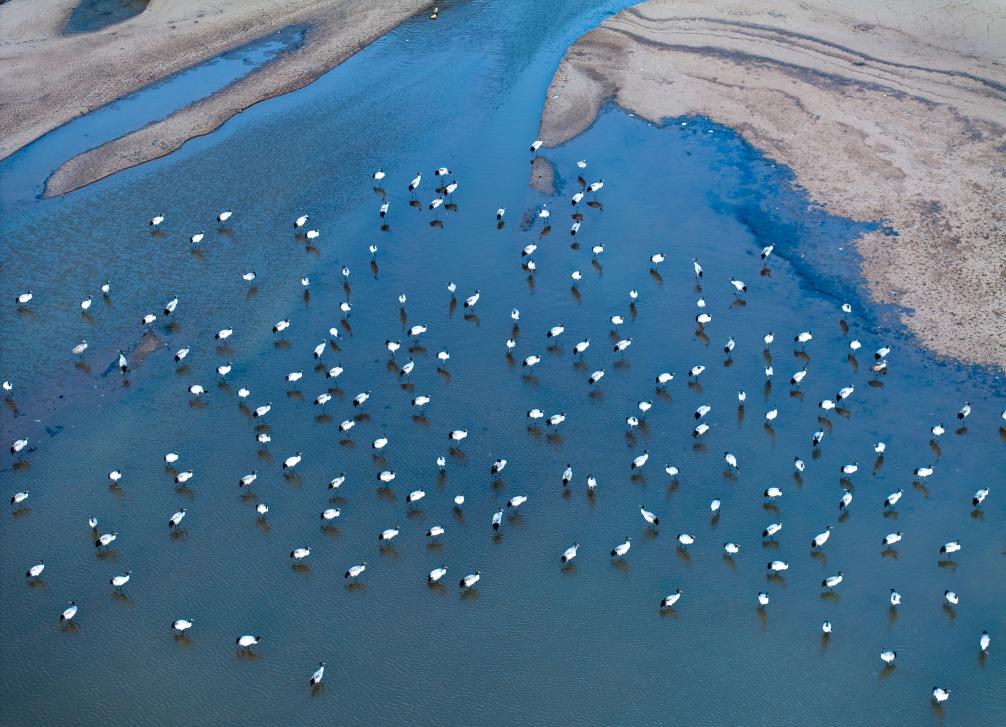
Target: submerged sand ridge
point(50, 77)
point(894, 113)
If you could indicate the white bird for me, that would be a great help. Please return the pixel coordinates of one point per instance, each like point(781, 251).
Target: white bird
point(888, 656)
point(879, 447)
point(714, 506)
point(833, 581)
point(619, 551)
point(669, 601)
point(686, 539)
point(695, 371)
point(361, 398)
point(648, 516)
point(300, 553)
point(457, 435)
point(262, 509)
point(976, 501)
point(843, 504)
point(516, 501)
point(500, 212)
point(895, 598)
point(318, 675)
point(535, 145)
point(766, 251)
point(700, 430)
point(768, 339)
point(435, 532)
point(69, 612)
point(923, 472)
point(224, 333)
point(952, 547)
point(739, 285)
point(731, 460)
point(799, 464)
point(531, 360)
point(292, 461)
point(421, 401)
point(336, 482)
point(176, 519)
point(569, 553)
point(415, 496)
point(893, 498)
point(937, 431)
point(803, 337)
point(356, 570)
point(414, 184)
point(984, 641)
point(86, 303)
point(664, 378)
point(771, 529)
point(596, 376)
point(470, 580)
point(638, 462)
point(850, 469)
point(119, 581)
point(951, 597)
point(567, 475)
point(771, 415)
point(826, 627)
point(20, 444)
point(36, 570)
point(778, 566)
point(182, 477)
point(80, 348)
point(762, 599)
point(225, 215)
point(388, 534)
point(247, 641)
point(312, 234)
point(596, 186)
point(622, 345)
point(181, 354)
point(181, 625)
point(330, 514)
point(771, 493)
point(379, 175)
point(196, 238)
point(821, 538)
point(437, 573)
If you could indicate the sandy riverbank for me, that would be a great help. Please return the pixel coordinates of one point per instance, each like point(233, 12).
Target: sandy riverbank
point(893, 111)
point(50, 78)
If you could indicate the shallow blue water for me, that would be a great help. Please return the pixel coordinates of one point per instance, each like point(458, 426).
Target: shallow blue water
point(534, 643)
point(91, 15)
point(23, 175)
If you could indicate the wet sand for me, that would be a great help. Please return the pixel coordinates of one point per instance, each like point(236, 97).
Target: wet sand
point(49, 78)
point(893, 112)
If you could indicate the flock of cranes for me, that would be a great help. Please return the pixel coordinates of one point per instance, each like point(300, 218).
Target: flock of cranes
point(529, 355)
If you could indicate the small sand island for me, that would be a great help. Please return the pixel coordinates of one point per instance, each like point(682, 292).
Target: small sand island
point(892, 112)
point(84, 71)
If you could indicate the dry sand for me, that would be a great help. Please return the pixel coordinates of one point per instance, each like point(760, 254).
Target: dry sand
point(885, 111)
point(49, 78)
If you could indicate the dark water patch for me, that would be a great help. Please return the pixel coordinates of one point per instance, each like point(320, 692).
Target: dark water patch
point(92, 15)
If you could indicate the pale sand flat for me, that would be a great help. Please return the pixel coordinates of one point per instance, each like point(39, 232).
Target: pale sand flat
point(893, 111)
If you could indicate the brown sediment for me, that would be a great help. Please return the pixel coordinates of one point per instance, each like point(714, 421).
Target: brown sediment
point(893, 112)
point(542, 176)
point(50, 77)
point(149, 343)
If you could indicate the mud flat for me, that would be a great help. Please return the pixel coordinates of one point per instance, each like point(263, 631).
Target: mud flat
point(892, 112)
point(51, 77)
